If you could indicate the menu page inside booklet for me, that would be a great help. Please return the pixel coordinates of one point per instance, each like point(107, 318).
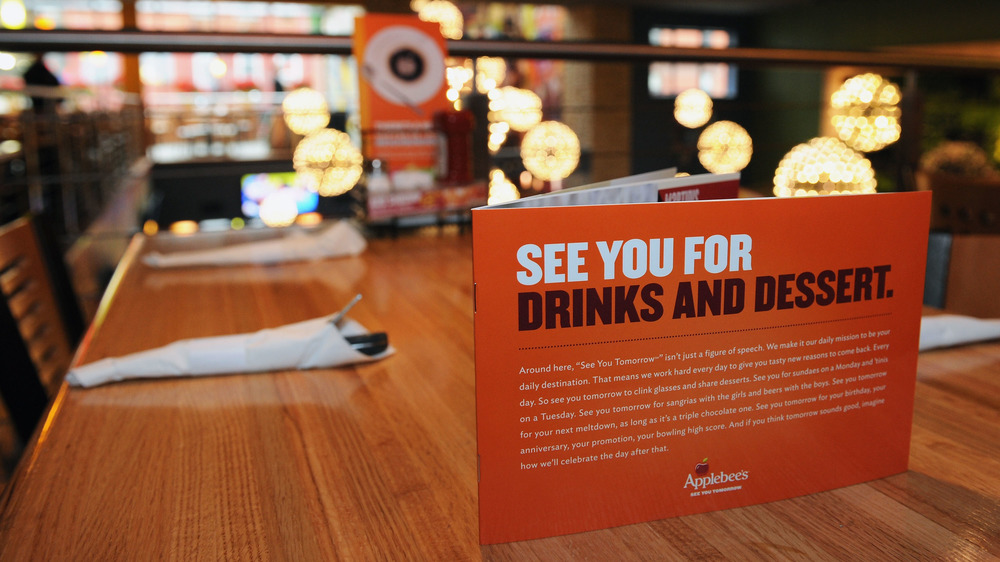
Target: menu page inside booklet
point(642, 361)
point(661, 185)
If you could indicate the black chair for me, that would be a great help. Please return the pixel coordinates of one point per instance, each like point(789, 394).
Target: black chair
point(20, 386)
point(938, 262)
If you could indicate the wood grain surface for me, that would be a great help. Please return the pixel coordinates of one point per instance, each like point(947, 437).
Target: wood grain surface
point(379, 461)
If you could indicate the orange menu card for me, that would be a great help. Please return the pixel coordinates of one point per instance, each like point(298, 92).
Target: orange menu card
point(642, 361)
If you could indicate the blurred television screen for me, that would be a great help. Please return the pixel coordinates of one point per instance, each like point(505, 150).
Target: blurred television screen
point(256, 188)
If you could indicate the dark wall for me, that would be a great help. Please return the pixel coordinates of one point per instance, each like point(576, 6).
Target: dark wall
point(874, 25)
point(658, 141)
point(781, 106)
point(862, 25)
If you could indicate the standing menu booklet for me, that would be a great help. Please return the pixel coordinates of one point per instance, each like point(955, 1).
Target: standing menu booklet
point(636, 361)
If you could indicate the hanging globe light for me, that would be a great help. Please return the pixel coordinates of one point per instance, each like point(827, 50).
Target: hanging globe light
point(724, 147)
point(866, 112)
point(823, 166)
point(550, 151)
point(305, 111)
point(518, 107)
point(692, 108)
point(330, 164)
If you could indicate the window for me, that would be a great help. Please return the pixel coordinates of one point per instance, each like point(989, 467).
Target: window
point(667, 79)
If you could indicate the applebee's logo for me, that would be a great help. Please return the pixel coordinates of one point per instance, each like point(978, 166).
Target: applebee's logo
point(705, 478)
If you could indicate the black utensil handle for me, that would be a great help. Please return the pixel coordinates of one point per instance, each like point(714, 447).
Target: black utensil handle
point(369, 344)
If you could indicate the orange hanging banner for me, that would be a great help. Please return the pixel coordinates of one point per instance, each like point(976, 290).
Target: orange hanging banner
point(401, 62)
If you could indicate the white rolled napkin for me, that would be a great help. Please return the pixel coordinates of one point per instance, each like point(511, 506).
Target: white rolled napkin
point(338, 240)
point(311, 344)
point(946, 330)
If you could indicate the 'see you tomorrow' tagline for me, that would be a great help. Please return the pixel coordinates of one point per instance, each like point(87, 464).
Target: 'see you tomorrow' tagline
point(644, 282)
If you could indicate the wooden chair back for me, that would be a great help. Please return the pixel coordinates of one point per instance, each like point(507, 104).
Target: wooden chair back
point(27, 289)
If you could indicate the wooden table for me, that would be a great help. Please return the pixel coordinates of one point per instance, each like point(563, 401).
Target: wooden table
point(379, 461)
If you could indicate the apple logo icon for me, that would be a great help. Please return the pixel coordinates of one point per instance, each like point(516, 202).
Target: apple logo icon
point(702, 467)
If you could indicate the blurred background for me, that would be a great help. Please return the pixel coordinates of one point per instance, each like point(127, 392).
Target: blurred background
point(121, 116)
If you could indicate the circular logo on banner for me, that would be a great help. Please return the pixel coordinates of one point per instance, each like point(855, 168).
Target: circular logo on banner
point(404, 65)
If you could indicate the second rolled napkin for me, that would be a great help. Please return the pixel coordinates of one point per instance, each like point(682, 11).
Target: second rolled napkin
point(311, 344)
point(338, 240)
point(946, 330)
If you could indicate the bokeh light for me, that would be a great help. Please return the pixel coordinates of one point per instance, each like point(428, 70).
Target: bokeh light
point(550, 151)
point(502, 189)
point(278, 209)
point(13, 14)
point(498, 136)
point(518, 107)
point(305, 111)
point(692, 108)
point(459, 78)
point(446, 14)
point(44, 21)
point(7, 61)
point(724, 147)
point(184, 228)
point(10, 146)
point(217, 68)
point(866, 112)
point(330, 164)
point(309, 219)
point(490, 73)
point(823, 166)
